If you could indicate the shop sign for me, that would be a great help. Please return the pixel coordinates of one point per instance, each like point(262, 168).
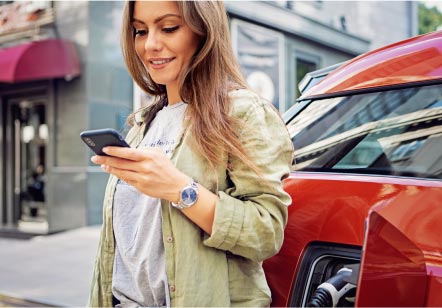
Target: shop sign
point(22, 16)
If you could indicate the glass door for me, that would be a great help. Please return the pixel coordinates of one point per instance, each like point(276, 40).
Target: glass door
point(27, 135)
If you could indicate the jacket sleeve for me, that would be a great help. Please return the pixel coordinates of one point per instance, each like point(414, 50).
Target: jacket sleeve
point(251, 214)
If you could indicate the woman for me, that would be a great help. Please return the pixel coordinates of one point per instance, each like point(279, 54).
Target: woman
point(196, 204)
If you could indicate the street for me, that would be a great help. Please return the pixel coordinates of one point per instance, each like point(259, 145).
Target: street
point(55, 269)
point(7, 301)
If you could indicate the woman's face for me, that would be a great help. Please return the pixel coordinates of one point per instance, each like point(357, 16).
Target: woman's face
point(163, 41)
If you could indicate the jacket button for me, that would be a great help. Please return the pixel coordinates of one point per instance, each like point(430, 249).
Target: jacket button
point(169, 239)
point(172, 288)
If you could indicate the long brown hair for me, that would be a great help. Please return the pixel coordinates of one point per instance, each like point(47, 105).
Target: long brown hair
point(212, 73)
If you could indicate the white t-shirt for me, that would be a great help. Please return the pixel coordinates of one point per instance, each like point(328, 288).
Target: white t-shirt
point(139, 273)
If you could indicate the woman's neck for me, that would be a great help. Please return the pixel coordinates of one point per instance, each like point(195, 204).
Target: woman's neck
point(173, 95)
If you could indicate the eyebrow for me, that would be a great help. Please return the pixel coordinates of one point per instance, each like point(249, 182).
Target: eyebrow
point(158, 19)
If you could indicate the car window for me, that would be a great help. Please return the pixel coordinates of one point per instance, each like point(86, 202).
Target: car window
point(396, 132)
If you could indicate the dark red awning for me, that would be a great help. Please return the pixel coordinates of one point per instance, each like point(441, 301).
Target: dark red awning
point(47, 59)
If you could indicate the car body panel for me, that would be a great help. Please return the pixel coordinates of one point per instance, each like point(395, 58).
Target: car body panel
point(403, 251)
point(331, 208)
point(434, 287)
point(414, 60)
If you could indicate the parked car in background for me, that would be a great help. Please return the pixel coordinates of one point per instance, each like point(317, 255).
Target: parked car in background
point(367, 183)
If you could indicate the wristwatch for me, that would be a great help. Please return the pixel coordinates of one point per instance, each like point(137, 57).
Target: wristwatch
point(188, 196)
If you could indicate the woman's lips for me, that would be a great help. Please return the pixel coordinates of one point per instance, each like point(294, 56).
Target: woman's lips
point(160, 62)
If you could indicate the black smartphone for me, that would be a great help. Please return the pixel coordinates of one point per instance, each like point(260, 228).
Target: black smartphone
point(100, 138)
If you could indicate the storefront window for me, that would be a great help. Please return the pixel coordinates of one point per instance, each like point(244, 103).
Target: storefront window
point(260, 54)
point(302, 68)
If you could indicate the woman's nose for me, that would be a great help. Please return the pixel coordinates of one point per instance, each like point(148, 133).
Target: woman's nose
point(153, 41)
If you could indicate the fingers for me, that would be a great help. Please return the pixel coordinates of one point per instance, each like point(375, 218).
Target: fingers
point(126, 153)
point(127, 176)
point(124, 158)
point(115, 162)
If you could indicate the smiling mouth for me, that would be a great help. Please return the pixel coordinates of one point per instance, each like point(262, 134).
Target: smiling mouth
point(159, 62)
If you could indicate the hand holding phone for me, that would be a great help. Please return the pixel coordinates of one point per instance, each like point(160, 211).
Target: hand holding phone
point(97, 139)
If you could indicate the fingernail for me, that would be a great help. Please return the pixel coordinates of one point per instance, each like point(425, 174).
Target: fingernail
point(104, 167)
point(105, 150)
point(94, 159)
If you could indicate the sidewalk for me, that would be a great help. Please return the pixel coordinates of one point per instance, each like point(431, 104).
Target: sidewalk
point(54, 269)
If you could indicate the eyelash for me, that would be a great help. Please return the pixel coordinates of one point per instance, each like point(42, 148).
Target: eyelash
point(165, 30)
point(171, 29)
point(139, 32)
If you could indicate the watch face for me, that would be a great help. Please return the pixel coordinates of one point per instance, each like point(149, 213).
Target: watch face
point(189, 196)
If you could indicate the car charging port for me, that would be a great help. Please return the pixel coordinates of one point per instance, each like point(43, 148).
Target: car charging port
point(339, 290)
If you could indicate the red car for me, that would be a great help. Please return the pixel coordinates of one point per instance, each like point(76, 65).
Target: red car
point(365, 226)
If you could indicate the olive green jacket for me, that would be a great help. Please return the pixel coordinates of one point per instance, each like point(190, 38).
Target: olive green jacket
point(224, 269)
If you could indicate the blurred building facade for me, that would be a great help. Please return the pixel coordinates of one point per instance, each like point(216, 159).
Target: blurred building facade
point(43, 115)
point(47, 98)
point(278, 42)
